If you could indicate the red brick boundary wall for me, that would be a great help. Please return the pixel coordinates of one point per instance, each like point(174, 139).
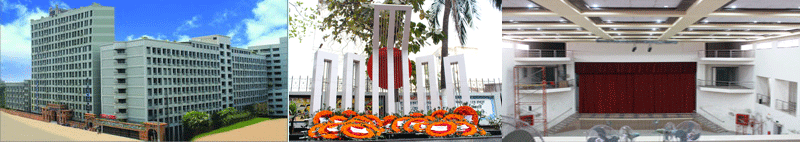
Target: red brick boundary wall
point(40, 117)
point(24, 114)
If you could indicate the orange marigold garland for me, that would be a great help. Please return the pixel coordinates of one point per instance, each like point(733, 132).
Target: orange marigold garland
point(430, 118)
point(419, 128)
point(377, 130)
point(376, 120)
point(321, 114)
point(338, 119)
point(347, 130)
point(432, 129)
point(388, 120)
point(482, 131)
point(408, 126)
point(439, 113)
point(312, 133)
point(349, 113)
point(467, 110)
point(416, 115)
point(396, 127)
point(469, 131)
point(455, 117)
point(326, 128)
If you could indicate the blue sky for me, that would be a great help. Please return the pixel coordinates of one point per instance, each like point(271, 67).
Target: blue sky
point(248, 22)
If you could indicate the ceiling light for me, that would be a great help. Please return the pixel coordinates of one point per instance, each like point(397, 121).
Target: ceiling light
point(530, 5)
point(538, 29)
point(779, 22)
point(510, 20)
point(595, 6)
point(728, 30)
point(578, 29)
point(690, 29)
point(755, 21)
point(615, 29)
point(609, 21)
point(654, 29)
point(733, 7)
point(747, 30)
point(519, 29)
point(705, 21)
point(651, 34)
point(562, 20)
point(619, 34)
point(658, 21)
point(666, 6)
point(728, 34)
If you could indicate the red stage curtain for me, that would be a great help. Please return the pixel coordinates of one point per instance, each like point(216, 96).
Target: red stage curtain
point(636, 87)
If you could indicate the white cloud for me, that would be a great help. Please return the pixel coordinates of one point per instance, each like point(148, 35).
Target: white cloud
point(182, 38)
point(129, 38)
point(221, 17)
point(269, 23)
point(189, 24)
point(16, 42)
point(59, 3)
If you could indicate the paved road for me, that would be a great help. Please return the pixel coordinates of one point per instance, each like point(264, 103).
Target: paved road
point(15, 128)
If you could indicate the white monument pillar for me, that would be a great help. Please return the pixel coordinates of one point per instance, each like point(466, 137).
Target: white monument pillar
point(449, 94)
point(354, 69)
point(430, 63)
point(320, 59)
point(389, 102)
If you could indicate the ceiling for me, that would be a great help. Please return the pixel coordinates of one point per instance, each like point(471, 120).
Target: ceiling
point(649, 20)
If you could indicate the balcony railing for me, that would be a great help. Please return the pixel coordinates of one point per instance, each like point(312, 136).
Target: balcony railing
point(786, 106)
point(539, 53)
point(725, 84)
point(476, 85)
point(763, 99)
point(726, 53)
point(549, 85)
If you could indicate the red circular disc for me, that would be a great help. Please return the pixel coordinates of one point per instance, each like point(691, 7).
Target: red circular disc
point(398, 76)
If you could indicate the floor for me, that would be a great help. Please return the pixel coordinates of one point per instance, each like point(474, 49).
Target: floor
point(15, 128)
point(641, 132)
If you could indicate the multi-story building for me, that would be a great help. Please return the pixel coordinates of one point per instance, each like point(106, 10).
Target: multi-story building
point(277, 71)
point(65, 50)
point(154, 80)
point(18, 96)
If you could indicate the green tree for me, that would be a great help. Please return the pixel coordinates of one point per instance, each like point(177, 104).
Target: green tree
point(463, 12)
point(351, 21)
point(293, 113)
point(227, 112)
point(196, 121)
point(261, 109)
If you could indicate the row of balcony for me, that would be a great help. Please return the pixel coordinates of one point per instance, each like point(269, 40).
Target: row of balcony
point(539, 55)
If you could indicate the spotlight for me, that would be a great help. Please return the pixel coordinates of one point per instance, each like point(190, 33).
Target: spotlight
point(650, 48)
point(634, 48)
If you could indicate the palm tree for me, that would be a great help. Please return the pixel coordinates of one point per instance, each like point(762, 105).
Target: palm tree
point(462, 11)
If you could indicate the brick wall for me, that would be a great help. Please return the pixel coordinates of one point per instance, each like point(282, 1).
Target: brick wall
point(24, 114)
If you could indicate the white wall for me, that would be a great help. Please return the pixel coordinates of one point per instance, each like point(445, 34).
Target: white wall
point(621, 52)
point(778, 64)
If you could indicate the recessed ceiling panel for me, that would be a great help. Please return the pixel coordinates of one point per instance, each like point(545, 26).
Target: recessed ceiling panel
point(762, 4)
point(534, 18)
point(633, 19)
point(519, 3)
point(752, 19)
point(633, 3)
